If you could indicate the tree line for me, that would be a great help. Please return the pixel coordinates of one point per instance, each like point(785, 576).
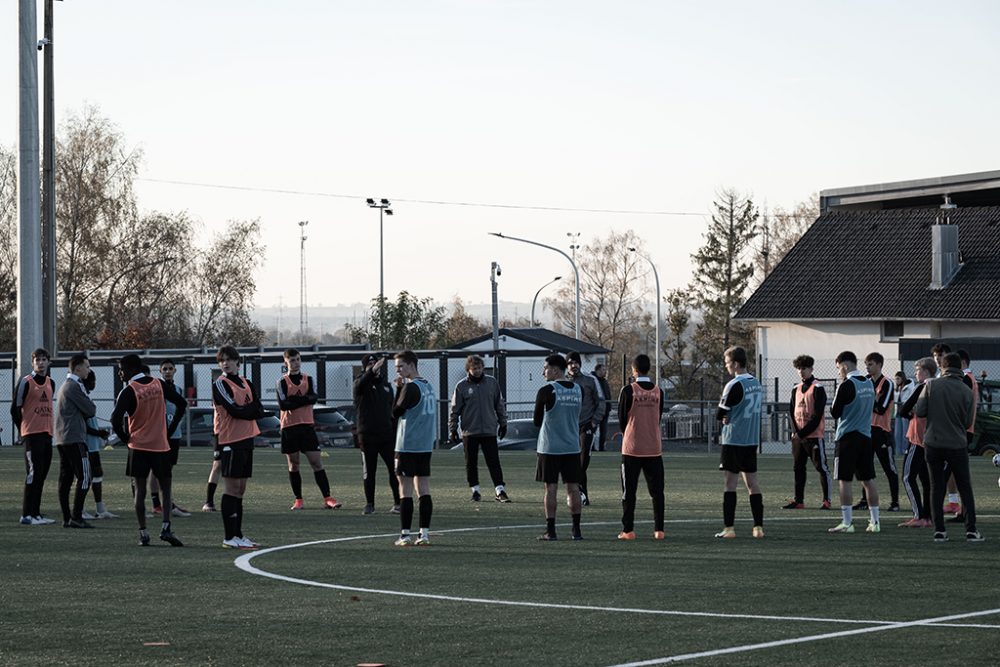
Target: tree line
point(127, 279)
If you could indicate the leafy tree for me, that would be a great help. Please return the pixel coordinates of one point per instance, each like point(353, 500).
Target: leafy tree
point(460, 326)
point(409, 322)
point(678, 364)
point(782, 228)
point(724, 266)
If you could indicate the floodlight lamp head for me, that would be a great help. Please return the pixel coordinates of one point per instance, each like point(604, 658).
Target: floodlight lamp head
point(631, 249)
point(388, 211)
point(385, 202)
point(370, 201)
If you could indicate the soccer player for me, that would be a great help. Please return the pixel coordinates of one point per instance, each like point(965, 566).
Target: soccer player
point(881, 428)
point(557, 414)
point(808, 408)
point(296, 397)
point(853, 457)
point(237, 407)
point(600, 374)
point(31, 414)
point(739, 412)
point(96, 436)
point(415, 409)
point(948, 406)
point(73, 409)
point(143, 402)
point(592, 410)
point(971, 383)
point(478, 404)
point(167, 371)
point(938, 350)
point(375, 429)
point(640, 406)
point(915, 463)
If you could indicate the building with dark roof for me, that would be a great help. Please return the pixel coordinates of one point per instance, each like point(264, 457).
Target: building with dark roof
point(914, 261)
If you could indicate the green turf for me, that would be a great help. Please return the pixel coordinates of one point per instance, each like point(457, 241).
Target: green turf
point(94, 597)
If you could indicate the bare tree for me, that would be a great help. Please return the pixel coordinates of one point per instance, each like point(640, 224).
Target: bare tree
point(781, 229)
point(8, 249)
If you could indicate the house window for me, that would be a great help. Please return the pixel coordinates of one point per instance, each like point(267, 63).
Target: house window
point(892, 331)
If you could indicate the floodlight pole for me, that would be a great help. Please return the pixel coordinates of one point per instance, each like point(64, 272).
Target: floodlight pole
point(576, 272)
point(303, 318)
point(656, 276)
point(384, 207)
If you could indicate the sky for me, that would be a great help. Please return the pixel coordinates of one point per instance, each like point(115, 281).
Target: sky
point(644, 106)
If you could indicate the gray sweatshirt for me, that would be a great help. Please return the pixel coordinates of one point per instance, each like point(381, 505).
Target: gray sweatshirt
point(73, 409)
point(479, 406)
point(948, 405)
point(593, 407)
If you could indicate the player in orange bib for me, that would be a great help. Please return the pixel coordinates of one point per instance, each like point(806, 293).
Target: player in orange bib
point(31, 413)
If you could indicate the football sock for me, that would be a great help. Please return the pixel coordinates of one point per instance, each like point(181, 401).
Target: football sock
point(499, 488)
point(426, 507)
point(847, 514)
point(239, 517)
point(322, 481)
point(166, 527)
point(406, 513)
point(550, 526)
point(229, 515)
point(475, 488)
point(155, 497)
point(874, 512)
point(576, 524)
point(101, 509)
point(728, 508)
point(295, 479)
point(210, 493)
point(98, 487)
point(757, 508)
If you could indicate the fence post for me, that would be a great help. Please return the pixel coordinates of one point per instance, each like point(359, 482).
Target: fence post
point(321, 377)
point(443, 393)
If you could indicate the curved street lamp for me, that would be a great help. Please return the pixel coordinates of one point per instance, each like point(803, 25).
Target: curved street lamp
point(657, 277)
point(576, 273)
point(535, 300)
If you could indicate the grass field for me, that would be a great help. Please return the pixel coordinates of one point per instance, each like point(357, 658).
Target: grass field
point(494, 596)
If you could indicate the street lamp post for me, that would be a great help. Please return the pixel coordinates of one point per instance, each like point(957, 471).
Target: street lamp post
point(576, 273)
point(302, 281)
point(384, 208)
point(656, 276)
point(535, 300)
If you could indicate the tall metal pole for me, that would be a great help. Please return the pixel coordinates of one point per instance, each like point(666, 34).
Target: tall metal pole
point(535, 300)
point(384, 206)
point(576, 273)
point(656, 276)
point(49, 293)
point(303, 320)
point(29, 266)
point(494, 272)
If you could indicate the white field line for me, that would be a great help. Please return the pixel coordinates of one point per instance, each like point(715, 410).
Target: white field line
point(940, 620)
point(243, 562)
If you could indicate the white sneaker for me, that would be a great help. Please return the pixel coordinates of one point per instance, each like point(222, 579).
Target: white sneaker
point(247, 543)
point(42, 521)
point(177, 511)
point(87, 516)
point(106, 515)
point(232, 543)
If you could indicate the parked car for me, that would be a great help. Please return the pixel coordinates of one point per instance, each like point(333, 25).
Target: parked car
point(333, 428)
point(522, 435)
point(986, 441)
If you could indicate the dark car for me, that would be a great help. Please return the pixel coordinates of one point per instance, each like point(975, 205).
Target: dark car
point(333, 428)
point(986, 441)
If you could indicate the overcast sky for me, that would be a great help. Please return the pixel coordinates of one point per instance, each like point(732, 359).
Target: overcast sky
point(647, 106)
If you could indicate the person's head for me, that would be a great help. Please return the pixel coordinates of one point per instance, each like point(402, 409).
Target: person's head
point(554, 367)
point(640, 365)
point(229, 359)
point(874, 362)
point(90, 381)
point(40, 360)
point(939, 350)
point(964, 356)
point(406, 364)
point(900, 378)
point(736, 360)
point(129, 366)
point(79, 365)
point(474, 366)
point(846, 362)
point(145, 369)
point(600, 370)
point(573, 363)
point(167, 370)
point(951, 361)
point(804, 365)
point(925, 369)
point(293, 360)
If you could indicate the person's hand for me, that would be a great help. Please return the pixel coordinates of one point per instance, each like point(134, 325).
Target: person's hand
point(103, 433)
point(502, 431)
point(453, 438)
point(399, 381)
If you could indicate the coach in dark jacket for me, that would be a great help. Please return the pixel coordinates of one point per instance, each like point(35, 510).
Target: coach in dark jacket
point(478, 407)
point(947, 404)
point(375, 428)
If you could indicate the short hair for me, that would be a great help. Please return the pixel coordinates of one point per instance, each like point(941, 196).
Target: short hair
point(737, 354)
point(367, 359)
point(573, 356)
point(941, 349)
point(901, 375)
point(90, 381)
point(76, 360)
point(227, 352)
point(876, 357)
point(600, 366)
point(846, 356)
point(473, 360)
point(40, 352)
point(964, 355)
point(145, 369)
point(166, 361)
point(130, 364)
point(291, 352)
point(640, 363)
point(556, 361)
point(407, 357)
point(927, 364)
point(951, 360)
point(803, 361)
